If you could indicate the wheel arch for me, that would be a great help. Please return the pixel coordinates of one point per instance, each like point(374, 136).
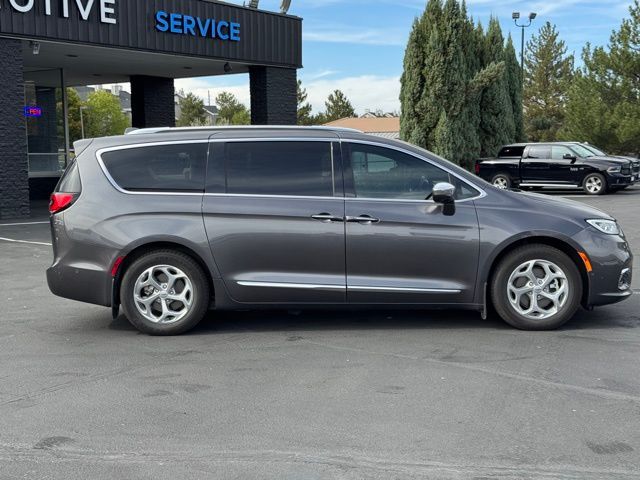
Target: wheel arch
point(565, 245)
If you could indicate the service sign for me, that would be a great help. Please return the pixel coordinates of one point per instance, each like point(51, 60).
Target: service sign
point(32, 111)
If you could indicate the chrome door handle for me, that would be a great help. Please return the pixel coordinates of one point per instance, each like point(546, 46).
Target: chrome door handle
point(363, 219)
point(327, 217)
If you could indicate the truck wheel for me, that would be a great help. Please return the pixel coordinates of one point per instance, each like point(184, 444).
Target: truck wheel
point(501, 181)
point(164, 292)
point(536, 287)
point(594, 184)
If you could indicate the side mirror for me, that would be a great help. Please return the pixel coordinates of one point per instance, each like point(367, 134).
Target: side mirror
point(568, 156)
point(444, 193)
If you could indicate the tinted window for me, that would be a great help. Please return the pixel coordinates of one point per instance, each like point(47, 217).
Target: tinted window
point(380, 172)
point(558, 152)
point(511, 151)
point(179, 167)
point(70, 180)
point(279, 168)
point(539, 151)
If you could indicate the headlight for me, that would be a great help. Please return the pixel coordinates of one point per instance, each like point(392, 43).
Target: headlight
point(614, 169)
point(610, 227)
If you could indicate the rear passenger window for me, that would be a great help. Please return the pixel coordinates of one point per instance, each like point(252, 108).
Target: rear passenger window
point(511, 151)
point(280, 168)
point(162, 168)
point(539, 151)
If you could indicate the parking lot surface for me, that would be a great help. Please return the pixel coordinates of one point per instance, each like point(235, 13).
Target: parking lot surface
point(313, 395)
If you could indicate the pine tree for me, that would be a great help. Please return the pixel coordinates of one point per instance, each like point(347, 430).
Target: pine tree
point(497, 123)
point(513, 74)
point(442, 82)
point(304, 107)
point(548, 72)
point(338, 106)
point(603, 102)
point(192, 111)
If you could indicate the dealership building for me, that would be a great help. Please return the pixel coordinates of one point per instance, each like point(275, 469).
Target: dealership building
point(48, 45)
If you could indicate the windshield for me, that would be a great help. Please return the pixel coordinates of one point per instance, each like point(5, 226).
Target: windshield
point(593, 149)
point(583, 151)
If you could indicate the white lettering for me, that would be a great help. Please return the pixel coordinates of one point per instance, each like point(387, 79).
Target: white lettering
point(22, 8)
point(65, 8)
point(84, 10)
point(105, 11)
point(47, 7)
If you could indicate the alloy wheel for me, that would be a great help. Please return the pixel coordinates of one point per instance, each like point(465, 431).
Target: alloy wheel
point(501, 182)
point(163, 294)
point(538, 289)
point(593, 184)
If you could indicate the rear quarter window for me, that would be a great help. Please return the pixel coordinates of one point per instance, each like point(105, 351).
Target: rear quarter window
point(158, 168)
point(70, 180)
point(511, 151)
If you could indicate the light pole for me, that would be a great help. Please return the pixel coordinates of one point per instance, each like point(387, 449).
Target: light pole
point(82, 121)
point(531, 18)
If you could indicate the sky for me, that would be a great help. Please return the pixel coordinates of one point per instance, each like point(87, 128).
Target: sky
point(357, 46)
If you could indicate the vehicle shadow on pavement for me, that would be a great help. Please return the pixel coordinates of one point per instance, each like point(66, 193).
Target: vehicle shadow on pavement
point(319, 320)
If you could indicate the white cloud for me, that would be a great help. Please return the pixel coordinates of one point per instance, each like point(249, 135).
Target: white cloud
point(364, 91)
point(350, 34)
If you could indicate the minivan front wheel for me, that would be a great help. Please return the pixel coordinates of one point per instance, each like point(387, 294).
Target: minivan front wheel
point(536, 287)
point(164, 292)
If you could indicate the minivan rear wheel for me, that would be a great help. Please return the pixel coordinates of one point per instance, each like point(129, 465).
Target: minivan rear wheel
point(164, 292)
point(536, 287)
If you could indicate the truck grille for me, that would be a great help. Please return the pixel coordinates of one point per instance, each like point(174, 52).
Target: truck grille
point(626, 170)
point(636, 168)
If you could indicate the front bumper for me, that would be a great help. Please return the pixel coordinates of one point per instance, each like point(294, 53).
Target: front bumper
point(611, 259)
point(620, 180)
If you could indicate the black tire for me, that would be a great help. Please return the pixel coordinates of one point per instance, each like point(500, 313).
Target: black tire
point(519, 256)
point(200, 296)
point(595, 177)
point(502, 181)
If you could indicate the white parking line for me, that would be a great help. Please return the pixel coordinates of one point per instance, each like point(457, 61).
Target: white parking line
point(19, 224)
point(12, 240)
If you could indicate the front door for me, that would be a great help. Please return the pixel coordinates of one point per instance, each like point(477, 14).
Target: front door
point(274, 212)
point(402, 248)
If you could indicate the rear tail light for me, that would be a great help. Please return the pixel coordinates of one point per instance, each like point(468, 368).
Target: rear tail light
point(477, 168)
point(61, 201)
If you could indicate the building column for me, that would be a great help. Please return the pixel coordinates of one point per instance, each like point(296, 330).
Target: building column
point(273, 96)
point(152, 102)
point(14, 163)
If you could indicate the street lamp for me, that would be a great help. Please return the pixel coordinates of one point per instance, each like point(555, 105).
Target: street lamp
point(82, 120)
point(530, 18)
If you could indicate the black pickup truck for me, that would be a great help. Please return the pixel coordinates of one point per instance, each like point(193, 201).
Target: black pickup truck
point(558, 165)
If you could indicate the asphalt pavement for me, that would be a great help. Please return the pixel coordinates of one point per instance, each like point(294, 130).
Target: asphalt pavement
point(313, 395)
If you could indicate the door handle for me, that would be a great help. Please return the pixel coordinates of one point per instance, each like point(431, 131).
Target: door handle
point(363, 219)
point(327, 217)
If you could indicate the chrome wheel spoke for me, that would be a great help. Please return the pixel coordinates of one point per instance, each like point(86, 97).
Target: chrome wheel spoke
point(537, 289)
point(163, 294)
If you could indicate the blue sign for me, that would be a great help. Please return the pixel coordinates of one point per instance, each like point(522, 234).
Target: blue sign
point(32, 111)
point(197, 27)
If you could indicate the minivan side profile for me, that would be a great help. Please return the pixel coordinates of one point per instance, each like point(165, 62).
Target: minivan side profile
point(171, 223)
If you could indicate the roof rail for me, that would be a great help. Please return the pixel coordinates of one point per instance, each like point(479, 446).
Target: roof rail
point(142, 131)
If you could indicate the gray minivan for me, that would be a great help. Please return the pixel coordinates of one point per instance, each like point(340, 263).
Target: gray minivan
point(170, 223)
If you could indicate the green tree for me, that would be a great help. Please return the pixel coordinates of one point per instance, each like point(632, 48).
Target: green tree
point(338, 106)
point(304, 107)
point(228, 107)
point(603, 104)
point(548, 73)
point(497, 125)
point(74, 102)
point(443, 79)
point(104, 115)
point(241, 117)
point(192, 112)
point(513, 75)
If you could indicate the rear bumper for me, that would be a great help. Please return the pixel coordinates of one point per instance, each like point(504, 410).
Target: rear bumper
point(89, 285)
